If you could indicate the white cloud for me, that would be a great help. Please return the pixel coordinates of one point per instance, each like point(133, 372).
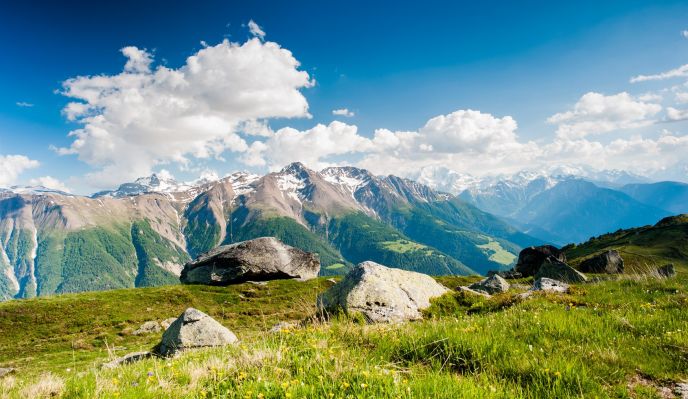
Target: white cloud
point(681, 97)
point(343, 112)
point(684, 33)
point(145, 117)
point(49, 182)
point(312, 146)
point(255, 29)
point(24, 104)
point(11, 166)
point(674, 114)
point(679, 72)
point(596, 113)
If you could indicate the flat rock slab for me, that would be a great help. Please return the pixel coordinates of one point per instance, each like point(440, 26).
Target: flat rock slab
point(549, 285)
point(126, 359)
point(261, 259)
point(194, 329)
point(382, 294)
point(555, 269)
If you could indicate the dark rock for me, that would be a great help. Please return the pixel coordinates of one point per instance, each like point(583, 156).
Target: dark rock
point(194, 329)
point(512, 274)
point(666, 270)
point(260, 259)
point(606, 262)
point(555, 269)
point(530, 259)
point(126, 359)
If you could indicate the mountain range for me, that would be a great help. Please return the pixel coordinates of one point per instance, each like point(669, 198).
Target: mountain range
point(142, 233)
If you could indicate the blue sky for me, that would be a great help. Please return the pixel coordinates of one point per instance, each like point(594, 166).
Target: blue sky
point(394, 66)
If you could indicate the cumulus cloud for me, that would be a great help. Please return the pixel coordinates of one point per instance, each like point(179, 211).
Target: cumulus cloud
point(343, 112)
point(49, 182)
point(11, 166)
point(679, 72)
point(255, 29)
point(596, 113)
point(674, 114)
point(312, 146)
point(143, 117)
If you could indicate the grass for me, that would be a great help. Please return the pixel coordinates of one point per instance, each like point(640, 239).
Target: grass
point(620, 338)
point(497, 253)
point(403, 246)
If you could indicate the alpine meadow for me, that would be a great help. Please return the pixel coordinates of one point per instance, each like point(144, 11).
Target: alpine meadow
point(279, 200)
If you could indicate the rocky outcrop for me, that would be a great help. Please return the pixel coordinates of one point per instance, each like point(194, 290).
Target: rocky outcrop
point(666, 270)
point(381, 294)
point(260, 259)
point(550, 285)
point(126, 359)
point(606, 262)
point(491, 285)
point(555, 269)
point(530, 259)
point(194, 329)
point(148, 327)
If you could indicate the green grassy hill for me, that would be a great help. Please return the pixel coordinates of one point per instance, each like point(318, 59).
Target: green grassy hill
point(625, 338)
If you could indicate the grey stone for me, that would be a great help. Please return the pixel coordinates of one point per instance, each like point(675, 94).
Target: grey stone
point(474, 292)
point(606, 262)
point(260, 259)
point(558, 270)
point(491, 285)
point(530, 259)
point(550, 285)
point(681, 390)
point(194, 329)
point(6, 371)
point(126, 359)
point(148, 327)
point(382, 294)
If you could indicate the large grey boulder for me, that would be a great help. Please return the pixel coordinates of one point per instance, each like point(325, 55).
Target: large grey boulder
point(530, 259)
point(491, 285)
point(260, 259)
point(606, 262)
point(194, 329)
point(381, 294)
point(558, 270)
point(549, 285)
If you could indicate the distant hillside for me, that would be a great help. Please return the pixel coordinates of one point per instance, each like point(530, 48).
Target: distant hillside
point(667, 195)
point(642, 248)
point(576, 210)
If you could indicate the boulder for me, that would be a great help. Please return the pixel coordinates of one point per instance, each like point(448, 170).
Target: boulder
point(194, 329)
point(666, 270)
point(381, 294)
point(126, 359)
point(260, 259)
point(550, 285)
point(606, 262)
point(491, 285)
point(6, 371)
point(557, 270)
point(530, 259)
point(148, 327)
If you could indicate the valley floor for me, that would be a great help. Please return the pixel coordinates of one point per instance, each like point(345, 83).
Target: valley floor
point(623, 338)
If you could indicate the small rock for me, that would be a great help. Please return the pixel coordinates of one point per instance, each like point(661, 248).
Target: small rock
point(6, 371)
point(530, 259)
point(382, 294)
point(474, 292)
point(606, 262)
point(148, 327)
point(165, 324)
point(126, 359)
point(331, 280)
point(551, 285)
point(681, 390)
point(557, 270)
point(259, 282)
point(666, 270)
point(491, 285)
point(260, 259)
point(194, 329)
point(283, 326)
